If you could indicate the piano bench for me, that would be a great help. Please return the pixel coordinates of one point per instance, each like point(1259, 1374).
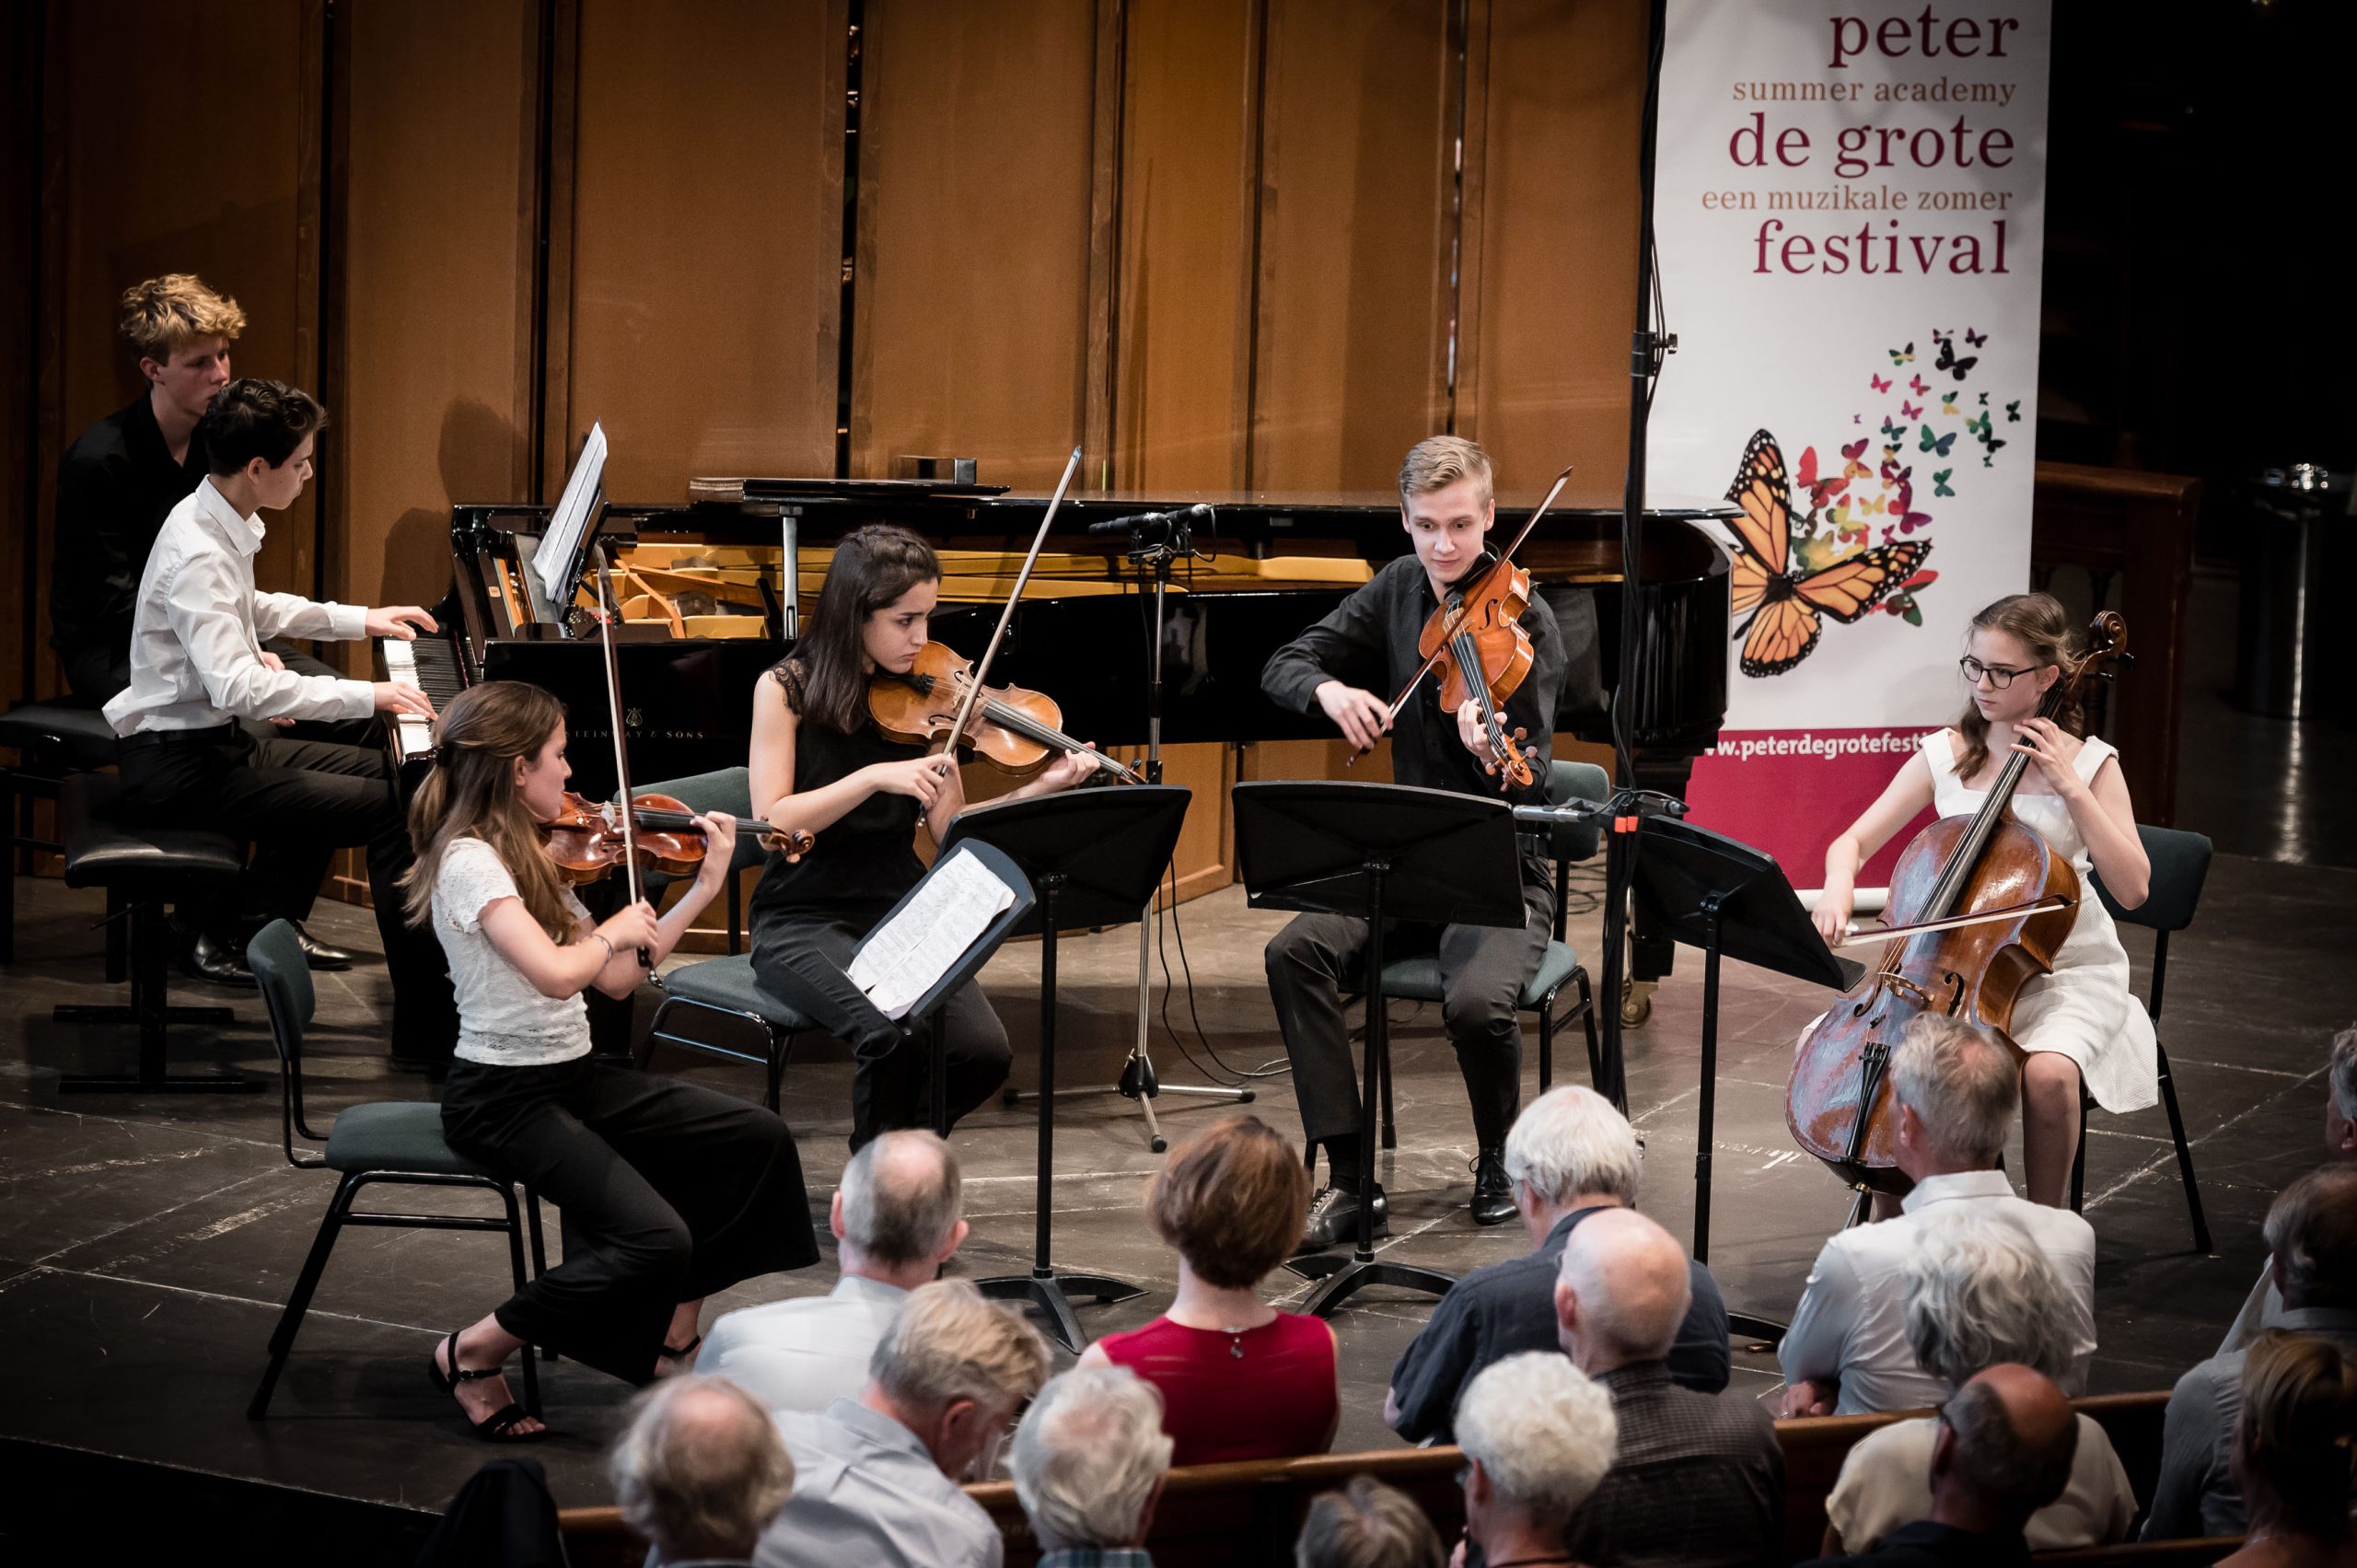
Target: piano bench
point(52, 741)
point(141, 868)
point(726, 986)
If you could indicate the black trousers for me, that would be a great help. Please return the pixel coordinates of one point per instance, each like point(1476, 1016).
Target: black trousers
point(1482, 971)
point(300, 801)
point(670, 1191)
point(803, 963)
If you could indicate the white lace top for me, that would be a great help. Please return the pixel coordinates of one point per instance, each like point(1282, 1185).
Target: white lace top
point(504, 1021)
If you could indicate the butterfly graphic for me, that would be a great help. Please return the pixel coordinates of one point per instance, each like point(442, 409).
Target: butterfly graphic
point(1879, 383)
point(1919, 384)
point(1975, 338)
point(1947, 402)
point(2013, 411)
point(1950, 363)
point(1786, 613)
point(1940, 446)
point(1820, 490)
point(1984, 399)
point(1852, 466)
point(1910, 410)
point(1980, 427)
point(1893, 432)
point(1902, 356)
point(1940, 482)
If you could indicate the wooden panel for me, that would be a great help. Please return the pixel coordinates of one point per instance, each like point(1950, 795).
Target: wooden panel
point(1205, 858)
point(1182, 365)
point(1543, 379)
point(973, 288)
point(171, 180)
point(434, 397)
point(22, 647)
point(706, 229)
point(1351, 356)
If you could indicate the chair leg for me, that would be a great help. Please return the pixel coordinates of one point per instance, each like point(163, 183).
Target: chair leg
point(2184, 1155)
point(1546, 1043)
point(780, 1044)
point(118, 937)
point(516, 1228)
point(298, 1300)
point(1609, 1086)
point(2079, 1163)
point(1383, 1077)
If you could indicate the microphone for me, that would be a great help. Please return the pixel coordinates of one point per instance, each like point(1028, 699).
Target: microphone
point(1152, 525)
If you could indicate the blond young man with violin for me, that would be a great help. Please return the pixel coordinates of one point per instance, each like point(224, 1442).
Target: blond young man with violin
point(1370, 641)
point(820, 764)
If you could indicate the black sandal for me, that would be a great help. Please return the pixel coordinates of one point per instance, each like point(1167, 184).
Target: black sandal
point(499, 1425)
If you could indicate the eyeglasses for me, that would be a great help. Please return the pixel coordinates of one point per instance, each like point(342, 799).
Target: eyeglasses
point(1999, 676)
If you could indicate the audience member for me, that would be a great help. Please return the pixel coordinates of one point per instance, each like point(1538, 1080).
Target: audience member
point(1538, 1436)
point(2264, 1308)
point(2291, 1450)
point(2004, 1449)
point(1698, 1478)
point(1366, 1525)
point(896, 1216)
point(1978, 1294)
point(699, 1472)
point(2312, 1237)
point(1957, 1091)
point(1570, 1155)
point(1239, 1379)
point(878, 1477)
point(1090, 1462)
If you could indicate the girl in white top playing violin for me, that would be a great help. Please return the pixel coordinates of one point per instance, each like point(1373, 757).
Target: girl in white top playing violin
point(2080, 1024)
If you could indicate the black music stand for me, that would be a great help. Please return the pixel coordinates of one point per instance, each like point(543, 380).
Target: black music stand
point(924, 1015)
point(1721, 895)
point(1378, 852)
point(1094, 857)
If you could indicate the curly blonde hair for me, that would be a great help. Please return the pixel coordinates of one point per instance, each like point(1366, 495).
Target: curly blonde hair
point(170, 312)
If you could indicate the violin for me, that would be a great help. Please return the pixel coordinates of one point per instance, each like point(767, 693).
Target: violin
point(1013, 729)
point(1476, 641)
point(586, 841)
point(1980, 905)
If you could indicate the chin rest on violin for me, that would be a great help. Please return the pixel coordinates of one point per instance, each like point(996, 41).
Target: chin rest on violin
point(1014, 730)
point(585, 839)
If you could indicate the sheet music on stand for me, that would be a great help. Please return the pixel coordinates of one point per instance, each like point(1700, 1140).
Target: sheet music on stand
point(557, 561)
point(906, 957)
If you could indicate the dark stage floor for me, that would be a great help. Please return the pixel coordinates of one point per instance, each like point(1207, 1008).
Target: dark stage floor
point(147, 1245)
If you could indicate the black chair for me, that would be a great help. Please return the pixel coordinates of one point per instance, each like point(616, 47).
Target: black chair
point(142, 869)
point(52, 741)
point(397, 1142)
point(2181, 865)
point(1417, 979)
point(725, 986)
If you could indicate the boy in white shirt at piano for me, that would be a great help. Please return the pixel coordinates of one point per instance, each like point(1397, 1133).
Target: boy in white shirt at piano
point(198, 666)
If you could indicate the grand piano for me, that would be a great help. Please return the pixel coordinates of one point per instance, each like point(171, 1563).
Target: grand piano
point(711, 591)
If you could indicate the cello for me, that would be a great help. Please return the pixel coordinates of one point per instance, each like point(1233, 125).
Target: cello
point(1979, 906)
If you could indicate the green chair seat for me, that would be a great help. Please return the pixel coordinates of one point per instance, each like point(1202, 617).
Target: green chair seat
point(395, 1135)
point(728, 984)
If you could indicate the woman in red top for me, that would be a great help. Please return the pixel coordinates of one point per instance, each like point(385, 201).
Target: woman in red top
point(1239, 1379)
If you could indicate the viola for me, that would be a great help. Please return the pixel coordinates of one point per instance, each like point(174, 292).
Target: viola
point(1013, 729)
point(1980, 905)
point(586, 841)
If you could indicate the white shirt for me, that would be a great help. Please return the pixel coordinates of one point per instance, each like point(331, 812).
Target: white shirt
point(867, 1495)
point(196, 639)
point(1852, 1322)
point(803, 1354)
point(504, 1021)
point(1885, 1481)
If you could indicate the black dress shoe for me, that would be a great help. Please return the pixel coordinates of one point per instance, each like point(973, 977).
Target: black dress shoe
point(322, 955)
point(207, 959)
point(1334, 1218)
point(1492, 1194)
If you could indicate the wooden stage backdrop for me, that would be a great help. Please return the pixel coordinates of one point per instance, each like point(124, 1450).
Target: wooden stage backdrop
point(1221, 242)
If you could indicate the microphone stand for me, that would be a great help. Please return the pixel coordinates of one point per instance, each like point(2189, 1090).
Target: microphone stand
point(1139, 1081)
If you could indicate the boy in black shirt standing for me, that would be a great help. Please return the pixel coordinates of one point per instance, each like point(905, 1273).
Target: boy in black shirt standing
point(1447, 507)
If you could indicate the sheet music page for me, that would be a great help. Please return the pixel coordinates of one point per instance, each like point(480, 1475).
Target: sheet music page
point(907, 956)
point(570, 516)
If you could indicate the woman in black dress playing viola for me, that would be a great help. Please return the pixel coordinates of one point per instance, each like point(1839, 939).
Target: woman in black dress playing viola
point(819, 762)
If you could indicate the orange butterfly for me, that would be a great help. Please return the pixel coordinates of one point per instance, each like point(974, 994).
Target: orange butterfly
point(1784, 611)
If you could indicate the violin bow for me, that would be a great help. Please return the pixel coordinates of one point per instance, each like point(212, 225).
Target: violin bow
point(609, 611)
point(1392, 711)
point(1006, 614)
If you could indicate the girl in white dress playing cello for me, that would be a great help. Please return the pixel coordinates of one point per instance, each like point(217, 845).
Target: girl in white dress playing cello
point(2081, 1023)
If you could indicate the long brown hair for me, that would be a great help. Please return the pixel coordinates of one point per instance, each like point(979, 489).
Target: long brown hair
point(823, 677)
point(2298, 1423)
point(2044, 627)
point(471, 791)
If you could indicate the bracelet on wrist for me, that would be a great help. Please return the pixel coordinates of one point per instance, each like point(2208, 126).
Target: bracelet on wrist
point(602, 937)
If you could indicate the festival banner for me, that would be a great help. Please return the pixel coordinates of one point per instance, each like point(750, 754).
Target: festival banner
point(1849, 217)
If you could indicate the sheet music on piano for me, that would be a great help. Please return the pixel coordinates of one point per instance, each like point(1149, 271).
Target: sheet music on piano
point(566, 526)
